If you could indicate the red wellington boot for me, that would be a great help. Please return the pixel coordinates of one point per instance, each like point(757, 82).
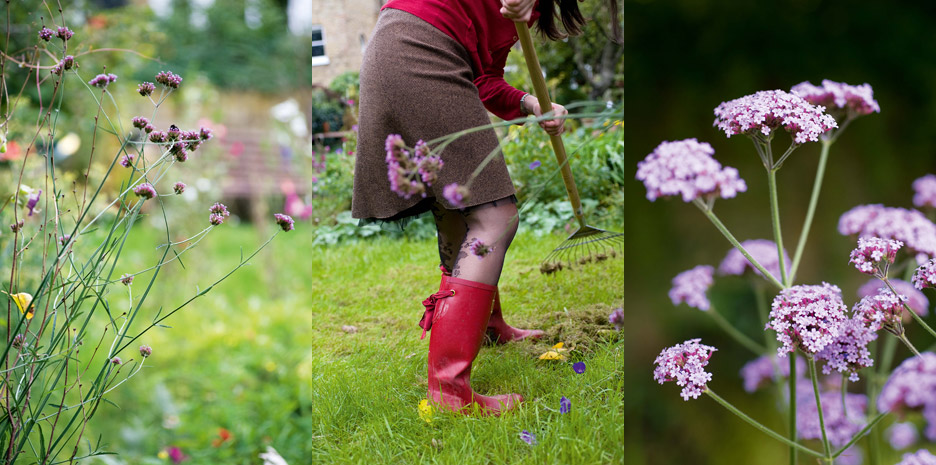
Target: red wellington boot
point(498, 331)
point(461, 312)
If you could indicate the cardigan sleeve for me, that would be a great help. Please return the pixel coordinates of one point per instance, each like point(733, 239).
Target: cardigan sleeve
point(498, 97)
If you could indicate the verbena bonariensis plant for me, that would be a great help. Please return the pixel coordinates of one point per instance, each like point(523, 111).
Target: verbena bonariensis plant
point(74, 326)
point(810, 324)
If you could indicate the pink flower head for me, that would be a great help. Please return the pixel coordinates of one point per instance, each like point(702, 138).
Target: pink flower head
point(912, 386)
point(839, 97)
point(456, 195)
point(840, 425)
point(169, 79)
point(218, 212)
point(145, 190)
point(64, 33)
point(687, 168)
point(763, 250)
point(685, 363)
point(924, 191)
point(32, 200)
point(903, 435)
point(205, 133)
point(874, 255)
point(127, 160)
point(158, 137)
point(146, 88)
point(761, 113)
point(848, 352)
point(285, 221)
point(915, 299)
point(46, 34)
point(146, 351)
point(66, 64)
point(760, 371)
point(881, 310)
point(126, 279)
point(102, 80)
point(807, 317)
point(617, 318)
point(140, 122)
point(178, 187)
point(691, 286)
point(480, 249)
point(908, 226)
point(925, 275)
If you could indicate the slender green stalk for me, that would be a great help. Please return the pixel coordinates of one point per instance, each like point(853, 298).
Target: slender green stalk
point(815, 384)
point(775, 220)
point(721, 228)
point(735, 333)
point(792, 405)
point(860, 434)
point(903, 338)
point(762, 428)
point(811, 211)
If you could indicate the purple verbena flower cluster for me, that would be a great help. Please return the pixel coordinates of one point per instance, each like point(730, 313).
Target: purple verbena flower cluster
point(479, 248)
point(168, 79)
point(411, 173)
point(839, 97)
point(925, 275)
point(881, 311)
point(691, 287)
point(840, 425)
point(759, 114)
point(908, 226)
point(46, 34)
point(902, 435)
point(686, 168)
point(848, 352)
point(920, 457)
point(102, 80)
point(145, 190)
point(285, 221)
point(218, 213)
point(760, 371)
point(685, 363)
point(807, 317)
point(127, 160)
point(179, 188)
point(915, 299)
point(65, 64)
point(146, 88)
point(140, 122)
point(456, 194)
point(874, 255)
point(912, 386)
point(64, 33)
point(924, 191)
point(146, 351)
point(764, 251)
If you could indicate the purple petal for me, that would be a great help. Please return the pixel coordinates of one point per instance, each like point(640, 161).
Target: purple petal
point(536, 164)
point(565, 405)
point(579, 367)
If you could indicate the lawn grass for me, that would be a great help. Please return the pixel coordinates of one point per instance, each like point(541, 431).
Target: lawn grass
point(264, 356)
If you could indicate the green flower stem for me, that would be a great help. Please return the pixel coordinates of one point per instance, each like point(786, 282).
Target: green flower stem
point(775, 219)
point(903, 338)
point(874, 382)
point(792, 419)
point(887, 357)
point(811, 211)
point(762, 428)
point(911, 312)
point(735, 333)
point(721, 228)
point(860, 434)
point(815, 384)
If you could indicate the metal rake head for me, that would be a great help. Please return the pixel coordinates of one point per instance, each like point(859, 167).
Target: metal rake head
point(586, 245)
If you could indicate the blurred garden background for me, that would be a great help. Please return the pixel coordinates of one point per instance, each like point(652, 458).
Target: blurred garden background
point(311, 347)
point(682, 59)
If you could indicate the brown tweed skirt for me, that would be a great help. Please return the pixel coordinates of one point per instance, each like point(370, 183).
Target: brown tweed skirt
point(417, 81)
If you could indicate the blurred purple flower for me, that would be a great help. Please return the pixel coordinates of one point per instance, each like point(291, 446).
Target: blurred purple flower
point(760, 371)
point(763, 250)
point(915, 299)
point(565, 405)
point(536, 164)
point(146, 351)
point(578, 367)
point(909, 226)
point(64, 33)
point(285, 221)
point(840, 99)
point(102, 80)
point(169, 79)
point(912, 386)
point(46, 34)
point(920, 457)
point(691, 287)
point(32, 200)
point(528, 437)
point(179, 187)
point(617, 318)
point(455, 195)
point(902, 435)
point(840, 425)
point(924, 191)
point(686, 168)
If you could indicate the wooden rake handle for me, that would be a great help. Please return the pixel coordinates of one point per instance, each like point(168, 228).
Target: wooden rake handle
point(542, 95)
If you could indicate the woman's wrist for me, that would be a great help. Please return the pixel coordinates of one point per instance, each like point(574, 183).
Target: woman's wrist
point(524, 108)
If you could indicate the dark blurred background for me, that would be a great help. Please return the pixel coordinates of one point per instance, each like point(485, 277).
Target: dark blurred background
point(683, 58)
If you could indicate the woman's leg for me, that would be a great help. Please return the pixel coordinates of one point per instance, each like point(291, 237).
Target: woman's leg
point(450, 229)
point(494, 224)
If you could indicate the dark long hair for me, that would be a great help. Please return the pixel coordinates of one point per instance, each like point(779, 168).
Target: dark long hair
point(571, 18)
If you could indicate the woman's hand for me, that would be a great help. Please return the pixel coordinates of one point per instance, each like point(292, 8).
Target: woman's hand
point(517, 10)
point(553, 127)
